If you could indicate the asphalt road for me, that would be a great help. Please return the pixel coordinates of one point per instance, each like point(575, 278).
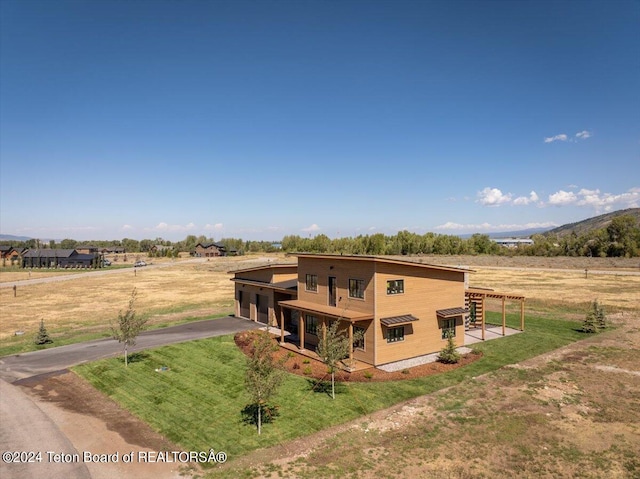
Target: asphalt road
point(24, 427)
point(20, 366)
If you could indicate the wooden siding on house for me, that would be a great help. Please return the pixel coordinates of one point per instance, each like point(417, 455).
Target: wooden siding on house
point(425, 291)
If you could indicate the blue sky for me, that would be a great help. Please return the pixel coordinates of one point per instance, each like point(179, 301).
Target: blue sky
point(260, 119)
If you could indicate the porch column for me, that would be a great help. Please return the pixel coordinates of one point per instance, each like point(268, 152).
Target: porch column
point(483, 318)
point(281, 325)
point(522, 314)
point(301, 329)
point(504, 317)
point(350, 344)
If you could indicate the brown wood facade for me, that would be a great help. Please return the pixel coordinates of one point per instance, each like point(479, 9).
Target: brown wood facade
point(403, 308)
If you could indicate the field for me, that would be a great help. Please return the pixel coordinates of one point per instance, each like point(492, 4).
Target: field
point(526, 409)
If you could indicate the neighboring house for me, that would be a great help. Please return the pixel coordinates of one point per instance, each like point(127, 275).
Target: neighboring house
point(513, 242)
point(209, 250)
point(404, 309)
point(158, 248)
point(10, 255)
point(86, 249)
point(59, 258)
point(112, 249)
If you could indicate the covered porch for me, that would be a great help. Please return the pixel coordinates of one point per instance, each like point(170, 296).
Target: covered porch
point(475, 299)
point(308, 335)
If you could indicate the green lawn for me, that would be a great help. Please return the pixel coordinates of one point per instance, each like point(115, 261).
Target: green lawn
point(197, 403)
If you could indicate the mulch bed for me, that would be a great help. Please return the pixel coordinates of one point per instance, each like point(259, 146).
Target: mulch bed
point(295, 363)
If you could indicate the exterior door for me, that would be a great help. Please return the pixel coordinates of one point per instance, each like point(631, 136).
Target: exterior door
point(332, 291)
point(262, 307)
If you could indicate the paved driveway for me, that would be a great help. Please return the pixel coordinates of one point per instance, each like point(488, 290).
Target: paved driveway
point(25, 427)
point(20, 366)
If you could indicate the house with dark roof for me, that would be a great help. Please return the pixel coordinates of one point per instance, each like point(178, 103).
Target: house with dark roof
point(401, 309)
point(209, 250)
point(59, 258)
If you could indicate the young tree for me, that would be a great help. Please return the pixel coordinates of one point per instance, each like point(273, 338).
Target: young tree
point(449, 355)
point(264, 373)
point(590, 324)
point(128, 327)
point(43, 335)
point(333, 347)
point(601, 318)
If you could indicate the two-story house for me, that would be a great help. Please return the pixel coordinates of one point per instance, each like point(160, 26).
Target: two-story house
point(402, 308)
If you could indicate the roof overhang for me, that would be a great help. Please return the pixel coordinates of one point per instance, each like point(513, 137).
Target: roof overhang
point(451, 312)
point(322, 310)
point(286, 286)
point(489, 293)
point(398, 320)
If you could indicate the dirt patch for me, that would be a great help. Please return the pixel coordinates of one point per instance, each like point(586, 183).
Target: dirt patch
point(95, 423)
point(301, 365)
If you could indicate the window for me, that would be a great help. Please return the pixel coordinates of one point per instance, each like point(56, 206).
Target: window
point(312, 282)
point(359, 342)
point(395, 286)
point(356, 288)
point(395, 334)
point(449, 326)
point(311, 324)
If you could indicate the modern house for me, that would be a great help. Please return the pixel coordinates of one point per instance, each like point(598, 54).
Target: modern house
point(402, 309)
point(209, 250)
point(59, 258)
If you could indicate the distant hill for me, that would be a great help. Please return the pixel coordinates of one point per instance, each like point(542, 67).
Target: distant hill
point(13, 238)
point(511, 234)
point(590, 224)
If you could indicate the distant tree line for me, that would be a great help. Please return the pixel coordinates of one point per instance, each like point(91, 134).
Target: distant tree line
point(621, 238)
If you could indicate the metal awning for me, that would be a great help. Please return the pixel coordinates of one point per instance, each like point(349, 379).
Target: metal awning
point(398, 320)
point(451, 312)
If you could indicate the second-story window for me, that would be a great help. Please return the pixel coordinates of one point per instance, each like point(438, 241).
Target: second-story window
point(312, 282)
point(356, 288)
point(395, 286)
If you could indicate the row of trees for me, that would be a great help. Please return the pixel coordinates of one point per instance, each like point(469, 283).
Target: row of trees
point(620, 238)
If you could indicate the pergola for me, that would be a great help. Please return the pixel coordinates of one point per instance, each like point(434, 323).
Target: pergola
point(479, 295)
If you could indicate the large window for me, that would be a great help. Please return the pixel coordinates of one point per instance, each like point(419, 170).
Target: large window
point(449, 326)
point(395, 334)
point(358, 334)
point(310, 324)
point(356, 288)
point(395, 286)
point(312, 282)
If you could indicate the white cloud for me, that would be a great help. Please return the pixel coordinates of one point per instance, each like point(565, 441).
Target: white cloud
point(561, 137)
point(450, 226)
point(524, 200)
point(583, 135)
point(493, 197)
point(127, 227)
point(601, 202)
point(215, 227)
point(162, 226)
point(311, 229)
point(562, 198)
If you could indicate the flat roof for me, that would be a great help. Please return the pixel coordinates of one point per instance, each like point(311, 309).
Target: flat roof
point(380, 259)
point(320, 309)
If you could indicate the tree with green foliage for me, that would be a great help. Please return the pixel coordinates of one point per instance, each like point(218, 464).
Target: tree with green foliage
point(599, 315)
point(449, 354)
point(590, 323)
point(128, 327)
point(264, 374)
point(43, 337)
point(333, 347)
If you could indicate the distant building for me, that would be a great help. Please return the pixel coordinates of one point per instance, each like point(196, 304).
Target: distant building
point(513, 242)
point(210, 250)
point(59, 258)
